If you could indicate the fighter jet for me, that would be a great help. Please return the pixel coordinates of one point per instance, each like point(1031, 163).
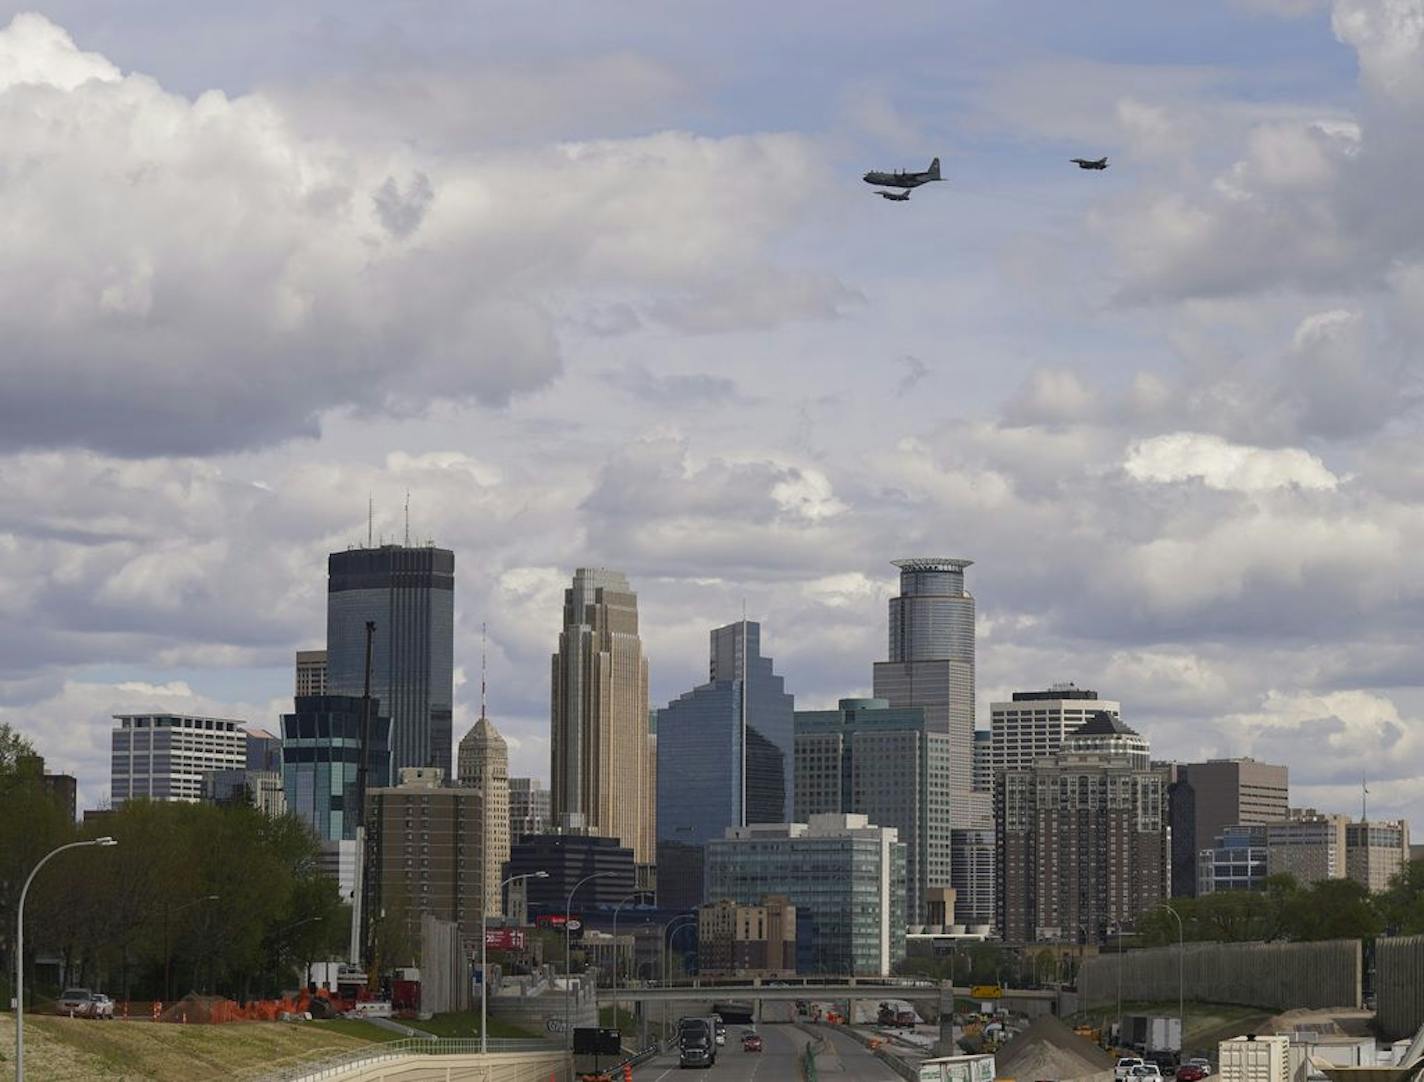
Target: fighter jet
point(904, 180)
point(1084, 163)
point(896, 197)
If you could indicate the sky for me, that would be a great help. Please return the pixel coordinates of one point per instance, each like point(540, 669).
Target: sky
point(600, 285)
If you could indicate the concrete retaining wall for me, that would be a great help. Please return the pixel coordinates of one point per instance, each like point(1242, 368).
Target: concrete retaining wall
point(1399, 985)
point(444, 972)
point(495, 1067)
point(1272, 975)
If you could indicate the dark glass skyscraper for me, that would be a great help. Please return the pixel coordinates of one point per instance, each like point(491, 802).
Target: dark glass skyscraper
point(726, 758)
point(321, 759)
point(931, 662)
point(409, 593)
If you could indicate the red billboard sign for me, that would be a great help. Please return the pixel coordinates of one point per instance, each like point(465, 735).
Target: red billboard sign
point(504, 939)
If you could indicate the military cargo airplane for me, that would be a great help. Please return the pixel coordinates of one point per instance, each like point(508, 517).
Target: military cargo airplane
point(902, 179)
point(1085, 163)
point(898, 197)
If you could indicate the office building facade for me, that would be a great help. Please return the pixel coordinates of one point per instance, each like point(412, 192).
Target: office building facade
point(424, 852)
point(600, 766)
point(1239, 859)
point(529, 808)
point(891, 766)
point(1032, 724)
point(62, 789)
point(484, 765)
point(846, 875)
point(1083, 847)
point(726, 757)
point(310, 673)
point(409, 594)
point(164, 756)
point(568, 859)
point(747, 941)
point(1223, 793)
point(321, 762)
point(982, 774)
point(1375, 850)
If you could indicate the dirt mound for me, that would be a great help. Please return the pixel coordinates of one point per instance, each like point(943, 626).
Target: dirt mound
point(1049, 1049)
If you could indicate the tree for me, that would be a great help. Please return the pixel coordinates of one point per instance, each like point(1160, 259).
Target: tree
point(1402, 902)
point(13, 748)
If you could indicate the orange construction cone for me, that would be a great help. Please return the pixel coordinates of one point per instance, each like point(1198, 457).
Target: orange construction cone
point(627, 1073)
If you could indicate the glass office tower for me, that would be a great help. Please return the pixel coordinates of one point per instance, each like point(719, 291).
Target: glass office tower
point(726, 758)
point(321, 755)
point(409, 593)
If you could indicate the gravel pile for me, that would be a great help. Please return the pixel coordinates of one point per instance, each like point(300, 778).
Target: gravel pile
point(1050, 1050)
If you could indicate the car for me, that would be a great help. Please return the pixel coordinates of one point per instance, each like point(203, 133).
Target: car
point(1198, 1061)
point(751, 1042)
point(1146, 1072)
point(1123, 1070)
point(74, 1002)
point(1189, 1072)
point(101, 1006)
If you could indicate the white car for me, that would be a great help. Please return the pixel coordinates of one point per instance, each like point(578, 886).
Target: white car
point(1123, 1070)
point(101, 1006)
point(1146, 1072)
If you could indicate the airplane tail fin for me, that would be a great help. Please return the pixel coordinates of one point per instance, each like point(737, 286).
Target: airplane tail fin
point(934, 169)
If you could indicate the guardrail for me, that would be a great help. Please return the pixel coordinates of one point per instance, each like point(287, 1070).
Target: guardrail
point(415, 1046)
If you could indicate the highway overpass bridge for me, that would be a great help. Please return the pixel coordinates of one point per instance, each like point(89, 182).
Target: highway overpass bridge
point(1031, 1001)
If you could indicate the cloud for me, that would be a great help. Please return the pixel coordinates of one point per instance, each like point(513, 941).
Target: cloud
point(1218, 464)
point(1388, 37)
point(193, 276)
point(1051, 396)
point(681, 390)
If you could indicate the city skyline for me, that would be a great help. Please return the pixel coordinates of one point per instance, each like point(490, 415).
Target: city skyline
point(652, 319)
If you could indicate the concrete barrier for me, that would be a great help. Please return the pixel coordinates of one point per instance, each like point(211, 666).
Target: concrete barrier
point(1399, 985)
point(1277, 976)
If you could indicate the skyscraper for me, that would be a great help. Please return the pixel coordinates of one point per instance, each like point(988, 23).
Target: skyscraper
point(869, 758)
point(164, 756)
point(409, 593)
point(321, 761)
point(1032, 724)
point(528, 808)
point(600, 766)
point(484, 765)
point(311, 672)
point(932, 655)
point(1084, 845)
point(726, 758)
point(1221, 793)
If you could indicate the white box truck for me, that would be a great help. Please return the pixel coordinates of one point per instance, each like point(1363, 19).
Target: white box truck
point(1254, 1059)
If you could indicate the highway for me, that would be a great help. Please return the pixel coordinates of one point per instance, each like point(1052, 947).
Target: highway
point(841, 1058)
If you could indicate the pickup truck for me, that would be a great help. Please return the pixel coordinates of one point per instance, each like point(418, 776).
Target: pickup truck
point(1123, 1071)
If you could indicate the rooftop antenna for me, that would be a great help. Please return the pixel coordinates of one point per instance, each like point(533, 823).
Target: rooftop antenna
point(484, 666)
point(1364, 800)
point(370, 517)
point(407, 518)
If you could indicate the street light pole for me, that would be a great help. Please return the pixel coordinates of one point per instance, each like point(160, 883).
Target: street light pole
point(616, 908)
point(484, 965)
point(568, 949)
point(1181, 976)
point(663, 941)
point(20, 950)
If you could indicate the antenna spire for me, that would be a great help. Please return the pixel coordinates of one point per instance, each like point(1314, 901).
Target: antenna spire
point(370, 517)
point(1364, 800)
point(484, 668)
point(407, 518)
